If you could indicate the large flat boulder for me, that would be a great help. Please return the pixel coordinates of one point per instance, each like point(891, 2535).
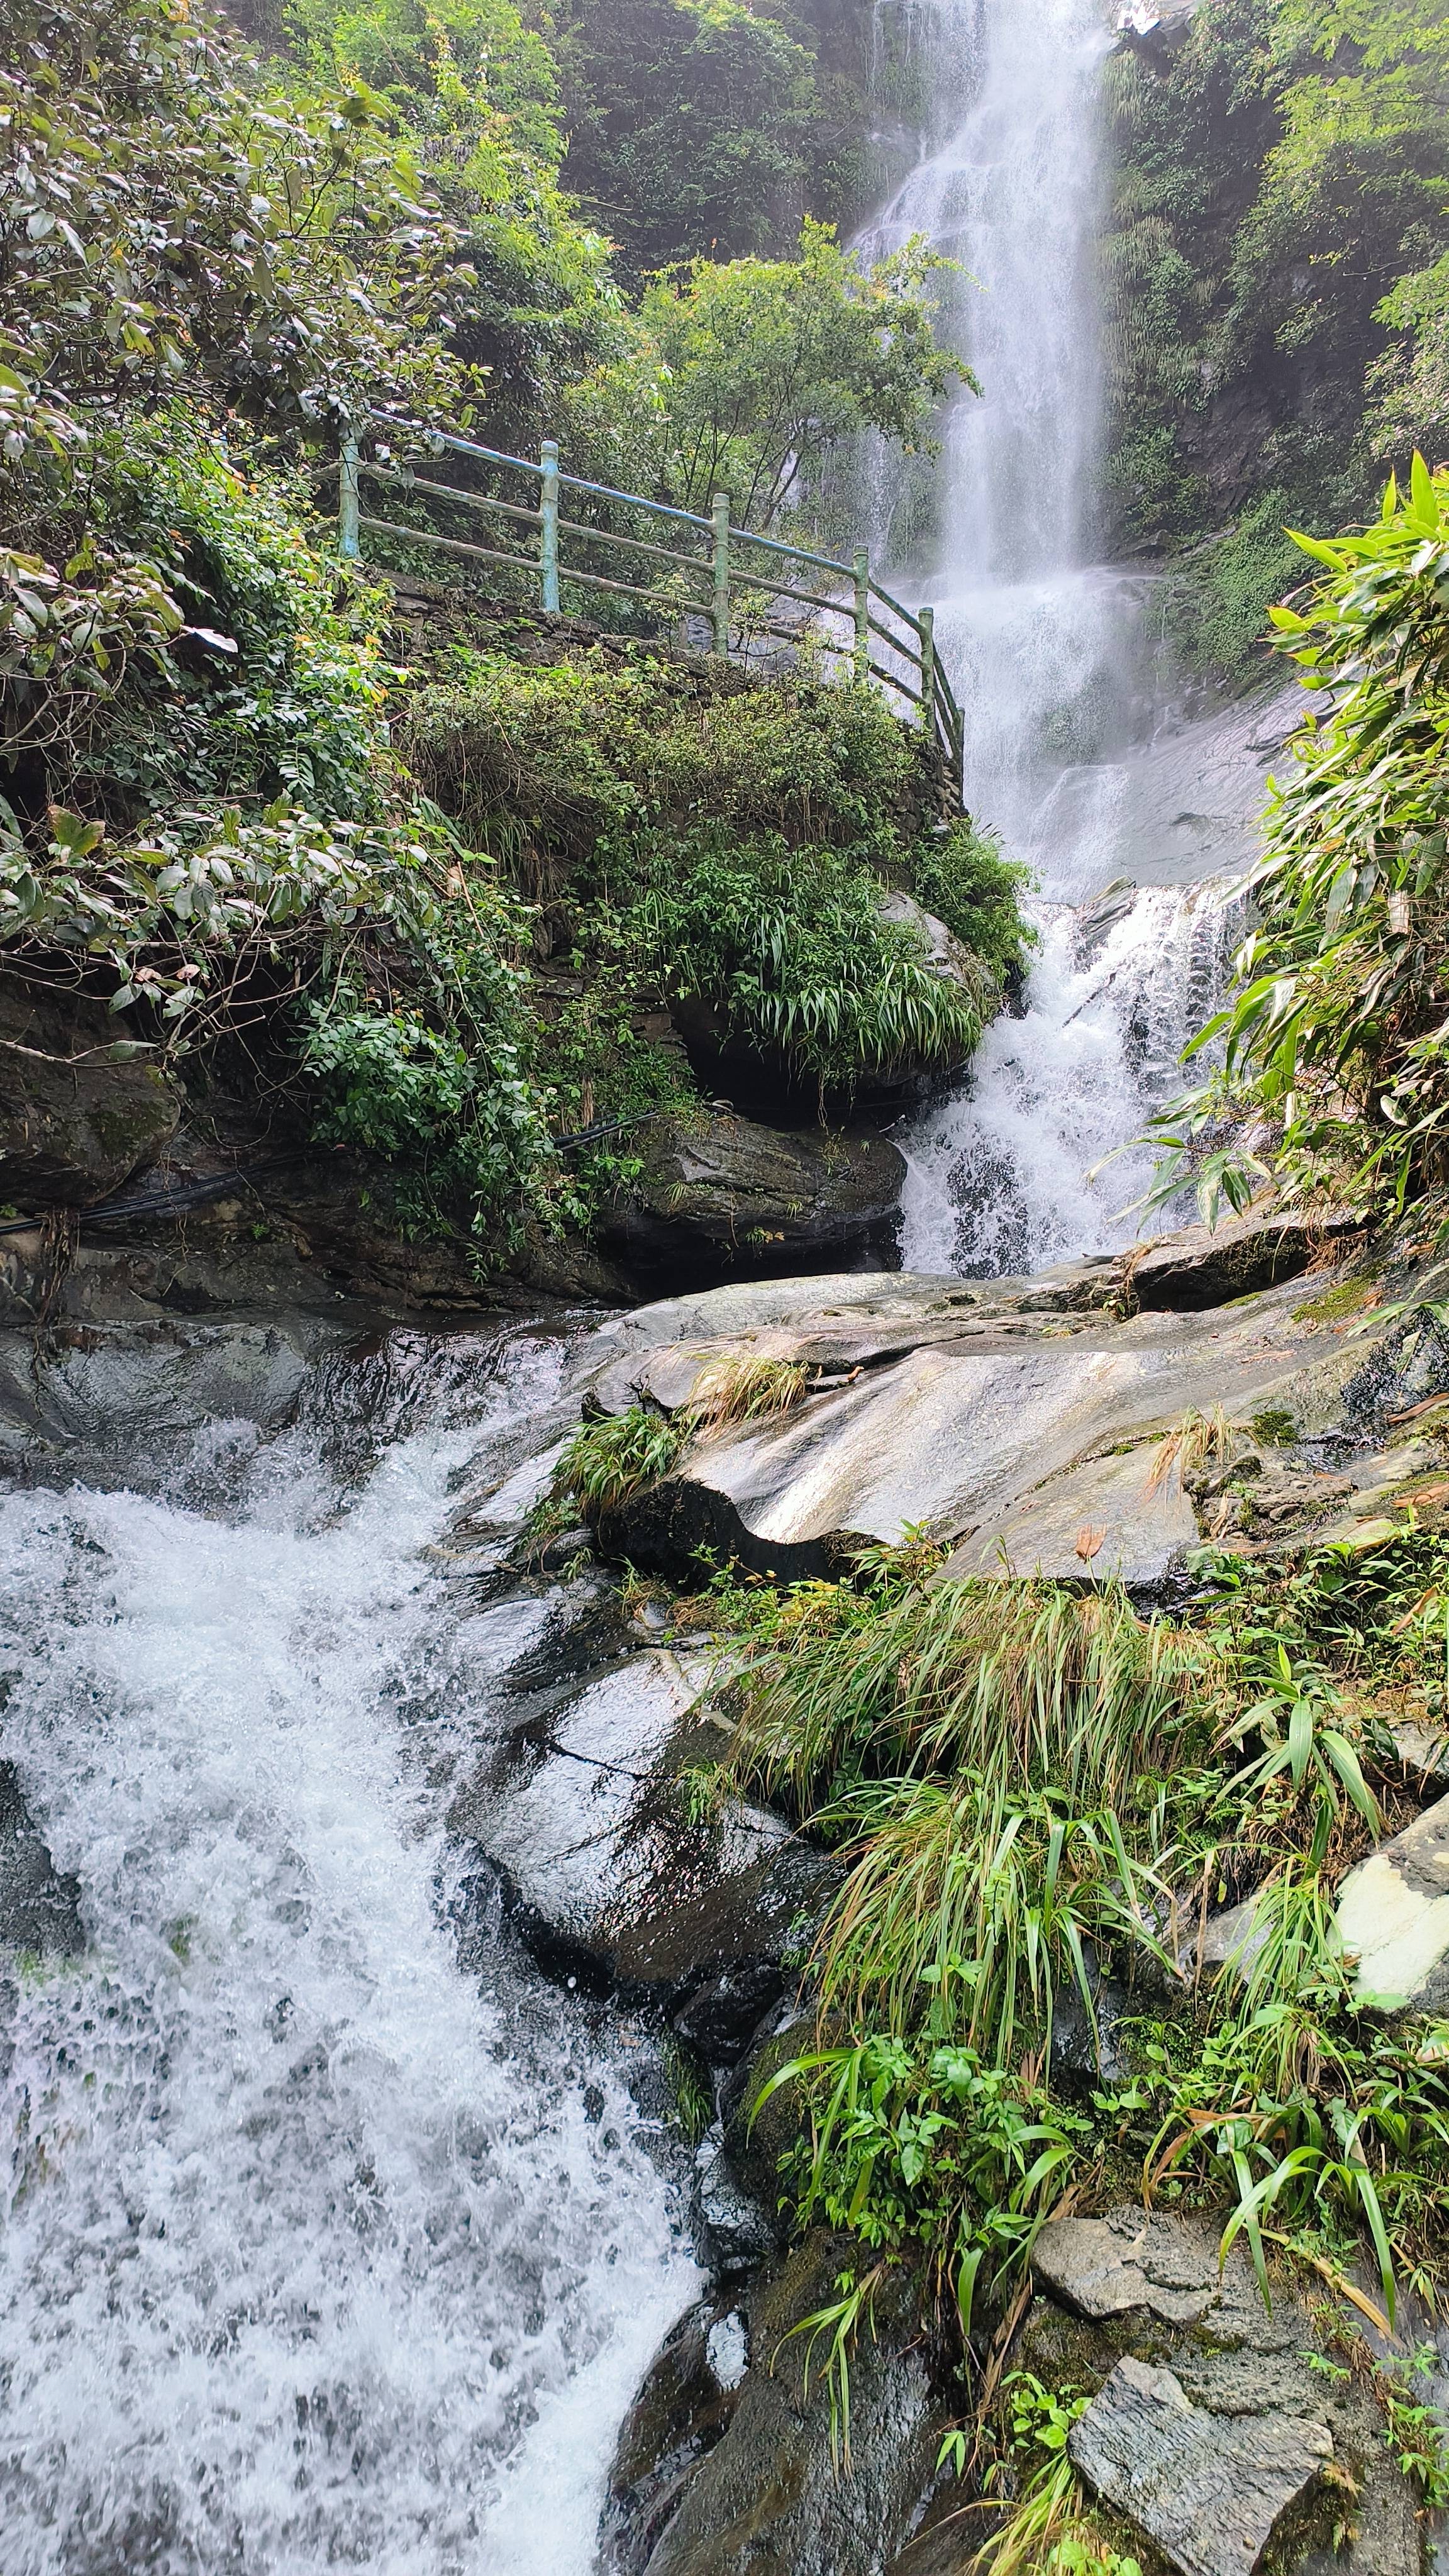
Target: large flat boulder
point(720, 1193)
point(1205, 1266)
point(964, 1435)
point(1123, 1518)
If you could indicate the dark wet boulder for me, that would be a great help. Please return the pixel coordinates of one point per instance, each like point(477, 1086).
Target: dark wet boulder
point(74, 1126)
point(1202, 1266)
point(39, 1904)
point(768, 2498)
point(614, 1872)
point(683, 2408)
point(719, 1193)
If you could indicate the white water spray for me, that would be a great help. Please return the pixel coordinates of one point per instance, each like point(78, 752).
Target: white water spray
point(318, 2250)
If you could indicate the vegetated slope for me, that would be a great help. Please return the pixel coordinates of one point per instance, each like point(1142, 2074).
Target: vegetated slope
point(233, 817)
point(1275, 272)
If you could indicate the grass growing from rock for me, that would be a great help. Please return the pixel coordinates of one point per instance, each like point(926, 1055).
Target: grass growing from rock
point(1036, 1790)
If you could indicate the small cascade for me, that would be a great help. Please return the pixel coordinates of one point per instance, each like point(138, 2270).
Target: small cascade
point(1013, 1172)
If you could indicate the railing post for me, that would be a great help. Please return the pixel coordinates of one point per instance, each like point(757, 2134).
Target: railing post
point(349, 542)
point(928, 672)
point(862, 614)
point(548, 527)
point(721, 512)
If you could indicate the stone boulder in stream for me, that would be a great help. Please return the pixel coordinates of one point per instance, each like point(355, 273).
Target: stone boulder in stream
point(585, 1814)
point(718, 1193)
point(1025, 1424)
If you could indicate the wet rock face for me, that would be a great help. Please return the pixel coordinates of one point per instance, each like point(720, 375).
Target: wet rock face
point(586, 1817)
point(39, 1905)
point(1014, 1420)
point(1210, 2432)
point(73, 1127)
point(720, 1194)
point(1196, 1268)
point(684, 2407)
point(763, 2495)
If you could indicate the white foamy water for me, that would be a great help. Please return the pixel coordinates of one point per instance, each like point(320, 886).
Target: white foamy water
point(315, 2253)
point(1026, 1167)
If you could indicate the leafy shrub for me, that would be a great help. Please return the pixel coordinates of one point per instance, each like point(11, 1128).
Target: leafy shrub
point(1335, 1043)
point(460, 1121)
point(793, 945)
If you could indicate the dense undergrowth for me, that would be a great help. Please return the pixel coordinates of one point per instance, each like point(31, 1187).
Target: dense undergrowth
point(1041, 1796)
point(229, 811)
point(1275, 285)
point(1332, 1080)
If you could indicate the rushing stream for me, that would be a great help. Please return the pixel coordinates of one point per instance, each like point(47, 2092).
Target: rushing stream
point(330, 2239)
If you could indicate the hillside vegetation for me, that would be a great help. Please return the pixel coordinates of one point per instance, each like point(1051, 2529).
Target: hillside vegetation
point(231, 812)
point(1277, 287)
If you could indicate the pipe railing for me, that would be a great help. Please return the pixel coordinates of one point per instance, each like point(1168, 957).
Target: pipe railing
point(719, 582)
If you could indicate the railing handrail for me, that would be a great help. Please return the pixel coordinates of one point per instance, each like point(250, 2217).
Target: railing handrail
point(940, 715)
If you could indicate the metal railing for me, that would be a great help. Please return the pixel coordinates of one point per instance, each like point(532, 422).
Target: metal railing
point(729, 583)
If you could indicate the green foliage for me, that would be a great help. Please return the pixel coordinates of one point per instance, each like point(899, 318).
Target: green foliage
point(1033, 1788)
point(1410, 383)
point(607, 1461)
point(793, 944)
point(470, 92)
point(689, 124)
point(1415, 2434)
point(458, 1119)
point(1222, 593)
point(744, 376)
point(1275, 291)
point(925, 2143)
point(165, 220)
point(1335, 1038)
point(734, 842)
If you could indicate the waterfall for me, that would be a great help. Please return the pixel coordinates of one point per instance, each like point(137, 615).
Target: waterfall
point(328, 2241)
point(1076, 751)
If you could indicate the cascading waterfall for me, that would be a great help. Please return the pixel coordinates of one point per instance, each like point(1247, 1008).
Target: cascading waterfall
point(1051, 653)
point(323, 2245)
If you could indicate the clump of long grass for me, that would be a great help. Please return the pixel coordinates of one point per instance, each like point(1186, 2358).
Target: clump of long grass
point(970, 1909)
point(605, 1462)
point(749, 1386)
point(1025, 1683)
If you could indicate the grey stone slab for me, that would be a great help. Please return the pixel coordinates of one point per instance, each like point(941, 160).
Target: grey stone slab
point(1109, 1519)
point(1207, 2489)
point(1105, 2267)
